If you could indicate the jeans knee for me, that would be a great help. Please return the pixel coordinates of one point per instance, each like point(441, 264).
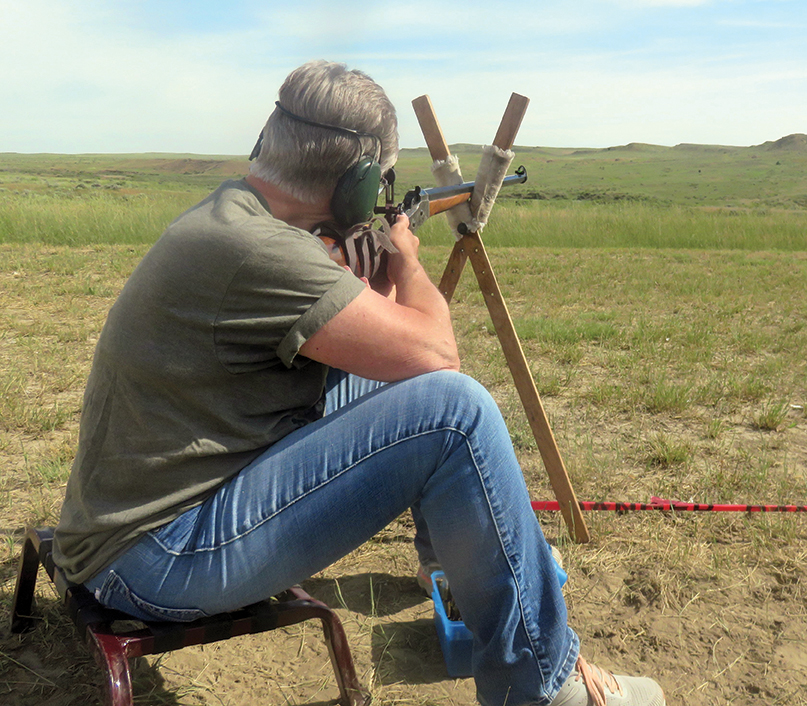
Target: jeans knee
point(459, 385)
point(463, 399)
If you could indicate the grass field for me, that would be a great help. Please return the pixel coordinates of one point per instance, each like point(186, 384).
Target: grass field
point(666, 328)
point(752, 198)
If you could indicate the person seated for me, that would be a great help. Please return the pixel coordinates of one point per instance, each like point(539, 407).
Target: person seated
point(255, 411)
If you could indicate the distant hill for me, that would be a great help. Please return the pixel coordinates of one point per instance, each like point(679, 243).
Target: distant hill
point(796, 142)
point(707, 149)
point(773, 174)
point(635, 147)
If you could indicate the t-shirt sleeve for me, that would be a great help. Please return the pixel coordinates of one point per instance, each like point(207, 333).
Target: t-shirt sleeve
point(285, 291)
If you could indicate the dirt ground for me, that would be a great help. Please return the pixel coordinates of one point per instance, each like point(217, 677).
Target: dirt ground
point(709, 638)
point(711, 605)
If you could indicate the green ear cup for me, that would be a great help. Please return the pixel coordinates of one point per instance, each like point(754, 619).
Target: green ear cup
point(356, 193)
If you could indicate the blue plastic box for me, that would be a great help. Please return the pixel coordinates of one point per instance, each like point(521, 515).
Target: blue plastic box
point(456, 641)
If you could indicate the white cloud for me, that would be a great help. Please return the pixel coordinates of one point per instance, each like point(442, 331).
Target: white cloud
point(763, 24)
point(668, 106)
point(81, 75)
point(100, 86)
point(641, 4)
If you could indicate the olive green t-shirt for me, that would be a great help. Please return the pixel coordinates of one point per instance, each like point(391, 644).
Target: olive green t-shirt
point(196, 371)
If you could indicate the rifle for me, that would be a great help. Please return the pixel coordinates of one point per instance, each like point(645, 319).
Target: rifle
point(364, 247)
point(421, 204)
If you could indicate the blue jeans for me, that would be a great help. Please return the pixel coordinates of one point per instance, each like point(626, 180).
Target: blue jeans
point(435, 443)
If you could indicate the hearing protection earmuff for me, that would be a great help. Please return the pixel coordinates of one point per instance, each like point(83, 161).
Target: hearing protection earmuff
point(357, 190)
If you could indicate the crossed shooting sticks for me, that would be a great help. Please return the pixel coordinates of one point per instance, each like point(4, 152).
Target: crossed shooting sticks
point(470, 246)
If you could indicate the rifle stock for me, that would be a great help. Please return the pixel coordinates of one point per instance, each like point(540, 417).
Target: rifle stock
point(443, 205)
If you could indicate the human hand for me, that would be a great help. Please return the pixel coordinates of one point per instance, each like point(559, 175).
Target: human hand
point(363, 279)
point(407, 243)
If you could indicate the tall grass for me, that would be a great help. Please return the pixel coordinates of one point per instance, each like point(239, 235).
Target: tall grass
point(61, 218)
point(581, 224)
point(633, 198)
point(64, 218)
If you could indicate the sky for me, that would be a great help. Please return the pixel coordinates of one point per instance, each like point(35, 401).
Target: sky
point(201, 76)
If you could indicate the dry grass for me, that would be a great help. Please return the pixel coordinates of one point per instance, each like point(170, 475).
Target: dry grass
point(675, 374)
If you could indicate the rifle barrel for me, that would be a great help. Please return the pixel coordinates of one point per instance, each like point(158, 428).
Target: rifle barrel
point(420, 204)
point(443, 192)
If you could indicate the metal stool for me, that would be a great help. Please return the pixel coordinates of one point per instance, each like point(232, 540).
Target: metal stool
point(113, 647)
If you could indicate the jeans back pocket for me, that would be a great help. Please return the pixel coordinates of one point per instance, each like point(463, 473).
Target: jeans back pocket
point(114, 593)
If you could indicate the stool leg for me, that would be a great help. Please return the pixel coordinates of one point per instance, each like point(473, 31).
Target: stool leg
point(110, 653)
point(23, 603)
point(350, 691)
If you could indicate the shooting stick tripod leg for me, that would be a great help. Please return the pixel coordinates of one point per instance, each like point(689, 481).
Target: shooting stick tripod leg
point(438, 149)
point(452, 272)
point(471, 246)
point(522, 377)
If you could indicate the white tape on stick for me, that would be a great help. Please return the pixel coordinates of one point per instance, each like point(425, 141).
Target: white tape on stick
point(447, 173)
point(492, 170)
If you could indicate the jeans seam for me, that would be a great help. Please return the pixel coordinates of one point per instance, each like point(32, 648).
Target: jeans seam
point(325, 482)
point(506, 556)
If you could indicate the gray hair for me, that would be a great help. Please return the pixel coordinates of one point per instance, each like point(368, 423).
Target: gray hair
point(306, 161)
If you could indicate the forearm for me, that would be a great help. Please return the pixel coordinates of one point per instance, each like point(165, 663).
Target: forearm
point(384, 339)
point(424, 305)
point(379, 339)
point(416, 292)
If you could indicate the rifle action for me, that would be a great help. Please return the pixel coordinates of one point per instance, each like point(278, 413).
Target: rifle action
point(364, 247)
point(420, 204)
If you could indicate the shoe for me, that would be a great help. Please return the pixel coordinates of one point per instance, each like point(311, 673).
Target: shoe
point(588, 685)
point(424, 576)
point(556, 555)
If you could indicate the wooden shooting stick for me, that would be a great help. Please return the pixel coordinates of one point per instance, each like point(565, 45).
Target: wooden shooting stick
point(470, 246)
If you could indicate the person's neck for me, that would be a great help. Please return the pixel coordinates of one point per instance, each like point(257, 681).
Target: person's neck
point(287, 208)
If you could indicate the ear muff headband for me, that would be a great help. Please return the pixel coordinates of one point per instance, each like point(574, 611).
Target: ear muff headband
point(356, 192)
point(327, 126)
